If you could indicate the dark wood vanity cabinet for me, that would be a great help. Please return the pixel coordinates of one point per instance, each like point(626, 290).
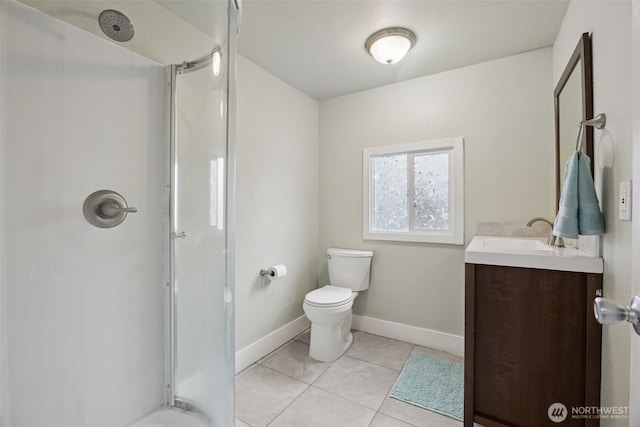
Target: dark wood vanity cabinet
point(531, 340)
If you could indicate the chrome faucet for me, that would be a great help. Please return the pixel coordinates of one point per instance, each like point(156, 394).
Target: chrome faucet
point(553, 240)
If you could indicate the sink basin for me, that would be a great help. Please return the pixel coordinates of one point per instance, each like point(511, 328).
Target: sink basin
point(529, 253)
point(515, 244)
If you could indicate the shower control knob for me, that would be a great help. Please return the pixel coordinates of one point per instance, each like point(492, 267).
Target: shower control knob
point(106, 209)
point(112, 209)
point(608, 312)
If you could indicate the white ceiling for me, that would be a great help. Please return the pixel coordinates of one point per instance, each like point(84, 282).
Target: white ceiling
point(317, 46)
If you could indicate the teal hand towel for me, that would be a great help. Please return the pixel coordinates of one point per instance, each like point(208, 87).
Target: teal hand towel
point(579, 211)
point(590, 219)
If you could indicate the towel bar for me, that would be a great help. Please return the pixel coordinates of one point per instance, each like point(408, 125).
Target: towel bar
point(597, 122)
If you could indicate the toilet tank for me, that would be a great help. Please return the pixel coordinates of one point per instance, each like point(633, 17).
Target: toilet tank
point(349, 268)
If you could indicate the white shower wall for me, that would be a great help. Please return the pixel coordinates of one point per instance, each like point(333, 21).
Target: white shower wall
point(82, 307)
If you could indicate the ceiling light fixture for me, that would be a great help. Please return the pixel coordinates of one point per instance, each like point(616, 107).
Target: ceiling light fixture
point(390, 45)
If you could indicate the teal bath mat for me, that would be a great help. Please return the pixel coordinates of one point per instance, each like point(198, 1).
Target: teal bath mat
point(433, 384)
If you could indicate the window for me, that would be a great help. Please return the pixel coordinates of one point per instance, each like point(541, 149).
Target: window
point(414, 192)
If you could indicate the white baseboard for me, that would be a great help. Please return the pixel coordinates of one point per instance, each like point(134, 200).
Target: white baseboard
point(453, 344)
point(254, 352)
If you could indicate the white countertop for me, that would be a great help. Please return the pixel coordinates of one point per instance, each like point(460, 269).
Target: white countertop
point(529, 253)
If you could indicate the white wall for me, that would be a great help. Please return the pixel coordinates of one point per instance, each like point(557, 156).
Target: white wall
point(277, 201)
point(504, 111)
point(82, 307)
point(609, 23)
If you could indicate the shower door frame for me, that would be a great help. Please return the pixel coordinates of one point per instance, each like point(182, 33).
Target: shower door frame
point(170, 228)
point(170, 335)
point(172, 233)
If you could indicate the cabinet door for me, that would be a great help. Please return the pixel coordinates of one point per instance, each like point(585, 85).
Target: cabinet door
point(530, 343)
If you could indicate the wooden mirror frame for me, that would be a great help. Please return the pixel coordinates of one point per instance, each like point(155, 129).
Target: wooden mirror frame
point(582, 55)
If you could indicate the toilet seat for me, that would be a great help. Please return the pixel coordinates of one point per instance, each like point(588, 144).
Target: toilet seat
point(329, 297)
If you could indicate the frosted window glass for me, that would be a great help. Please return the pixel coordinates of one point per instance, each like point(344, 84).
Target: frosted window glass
point(414, 192)
point(389, 195)
point(431, 191)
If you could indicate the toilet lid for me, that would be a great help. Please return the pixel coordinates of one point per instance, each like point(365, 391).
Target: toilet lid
point(329, 296)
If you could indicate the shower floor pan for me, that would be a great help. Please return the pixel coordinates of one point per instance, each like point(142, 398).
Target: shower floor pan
point(166, 417)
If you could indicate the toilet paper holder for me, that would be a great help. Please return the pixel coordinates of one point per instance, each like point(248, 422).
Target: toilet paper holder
point(264, 272)
point(274, 272)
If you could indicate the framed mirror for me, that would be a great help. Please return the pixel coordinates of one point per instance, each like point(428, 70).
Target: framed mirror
point(573, 100)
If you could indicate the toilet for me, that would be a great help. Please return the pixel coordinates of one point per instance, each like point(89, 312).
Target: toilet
point(329, 308)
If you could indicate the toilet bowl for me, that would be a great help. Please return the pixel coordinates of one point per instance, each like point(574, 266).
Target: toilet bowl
point(329, 307)
point(329, 311)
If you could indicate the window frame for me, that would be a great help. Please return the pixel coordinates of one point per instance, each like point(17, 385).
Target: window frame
point(455, 233)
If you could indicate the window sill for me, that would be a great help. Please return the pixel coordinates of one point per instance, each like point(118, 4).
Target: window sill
point(435, 237)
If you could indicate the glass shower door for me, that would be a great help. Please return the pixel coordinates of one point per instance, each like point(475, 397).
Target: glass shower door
point(202, 347)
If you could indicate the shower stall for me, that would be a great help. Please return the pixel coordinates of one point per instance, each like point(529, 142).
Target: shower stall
point(127, 322)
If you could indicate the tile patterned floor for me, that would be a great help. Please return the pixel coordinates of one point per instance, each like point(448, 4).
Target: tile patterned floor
point(287, 388)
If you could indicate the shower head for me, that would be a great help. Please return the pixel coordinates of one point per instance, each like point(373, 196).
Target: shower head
point(116, 25)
